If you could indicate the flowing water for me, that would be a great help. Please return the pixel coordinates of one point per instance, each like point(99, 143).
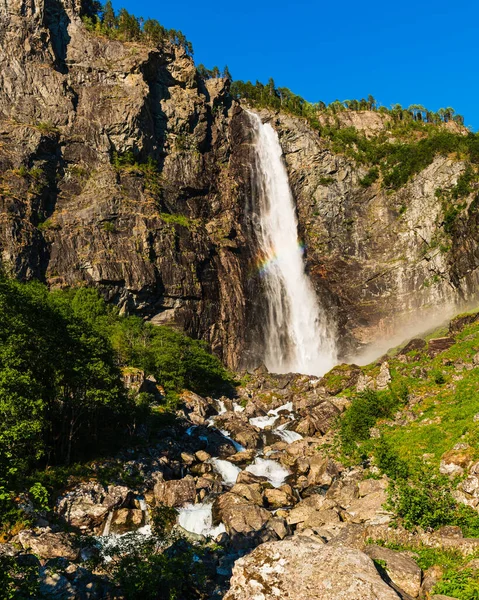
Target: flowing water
point(198, 518)
point(228, 471)
point(272, 470)
point(298, 337)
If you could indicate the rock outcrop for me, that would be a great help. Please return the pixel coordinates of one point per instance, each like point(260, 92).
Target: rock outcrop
point(305, 569)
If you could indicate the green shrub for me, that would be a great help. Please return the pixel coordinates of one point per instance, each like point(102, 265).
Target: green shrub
point(163, 519)
point(371, 176)
point(175, 574)
point(108, 226)
point(463, 585)
point(18, 581)
point(423, 498)
point(388, 460)
point(366, 408)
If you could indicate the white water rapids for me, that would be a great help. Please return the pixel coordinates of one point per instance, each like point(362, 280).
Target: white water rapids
point(299, 337)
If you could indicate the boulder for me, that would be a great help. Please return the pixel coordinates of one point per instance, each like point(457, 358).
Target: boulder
point(438, 345)
point(176, 492)
point(322, 471)
point(88, 504)
point(48, 545)
point(303, 568)
point(384, 377)
point(414, 344)
point(402, 570)
point(252, 492)
point(368, 509)
point(456, 461)
point(239, 515)
point(127, 519)
point(276, 498)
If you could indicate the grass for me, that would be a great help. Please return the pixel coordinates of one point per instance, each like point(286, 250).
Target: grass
point(177, 219)
point(446, 399)
point(458, 580)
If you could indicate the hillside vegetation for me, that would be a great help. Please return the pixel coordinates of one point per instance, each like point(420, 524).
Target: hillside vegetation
point(63, 355)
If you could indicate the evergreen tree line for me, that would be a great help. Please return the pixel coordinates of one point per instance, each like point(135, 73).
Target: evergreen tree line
point(213, 73)
point(128, 28)
point(279, 98)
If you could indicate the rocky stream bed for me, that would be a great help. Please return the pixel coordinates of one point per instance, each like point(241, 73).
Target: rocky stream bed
point(253, 476)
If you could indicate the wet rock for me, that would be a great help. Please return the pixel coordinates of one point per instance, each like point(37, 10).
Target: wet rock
point(402, 570)
point(202, 456)
point(276, 498)
point(88, 504)
point(302, 568)
point(127, 519)
point(250, 478)
point(239, 515)
point(49, 545)
point(175, 492)
point(438, 345)
point(253, 492)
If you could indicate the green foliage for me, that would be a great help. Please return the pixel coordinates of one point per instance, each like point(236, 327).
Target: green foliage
point(46, 127)
point(463, 585)
point(61, 393)
point(176, 574)
point(438, 377)
point(163, 519)
point(18, 581)
point(371, 176)
point(423, 499)
point(108, 226)
point(366, 408)
point(176, 361)
point(47, 225)
point(388, 460)
point(128, 28)
point(176, 219)
point(39, 495)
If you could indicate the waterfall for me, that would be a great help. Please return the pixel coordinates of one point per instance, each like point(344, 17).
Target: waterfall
point(297, 335)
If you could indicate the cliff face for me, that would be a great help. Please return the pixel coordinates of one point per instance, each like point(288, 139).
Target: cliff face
point(120, 168)
point(381, 260)
point(80, 204)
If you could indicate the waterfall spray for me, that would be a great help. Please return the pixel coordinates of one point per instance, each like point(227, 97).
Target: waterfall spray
point(298, 335)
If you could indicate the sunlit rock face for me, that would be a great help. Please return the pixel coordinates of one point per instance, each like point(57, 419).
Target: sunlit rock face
point(381, 261)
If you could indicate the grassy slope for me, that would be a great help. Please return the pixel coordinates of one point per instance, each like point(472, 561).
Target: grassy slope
point(445, 411)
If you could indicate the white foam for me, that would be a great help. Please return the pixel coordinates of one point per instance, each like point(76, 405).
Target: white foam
point(273, 471)
point(198, 518)
point(270, 419)
point(287, 435)
point(229, 472)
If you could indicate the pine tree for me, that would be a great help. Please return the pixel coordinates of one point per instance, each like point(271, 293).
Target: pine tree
point(109, 19)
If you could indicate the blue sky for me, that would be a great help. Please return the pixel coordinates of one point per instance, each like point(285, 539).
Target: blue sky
point(421, 52)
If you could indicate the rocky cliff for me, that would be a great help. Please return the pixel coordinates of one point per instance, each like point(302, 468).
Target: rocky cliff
point(381, 260)
point(121, 168)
